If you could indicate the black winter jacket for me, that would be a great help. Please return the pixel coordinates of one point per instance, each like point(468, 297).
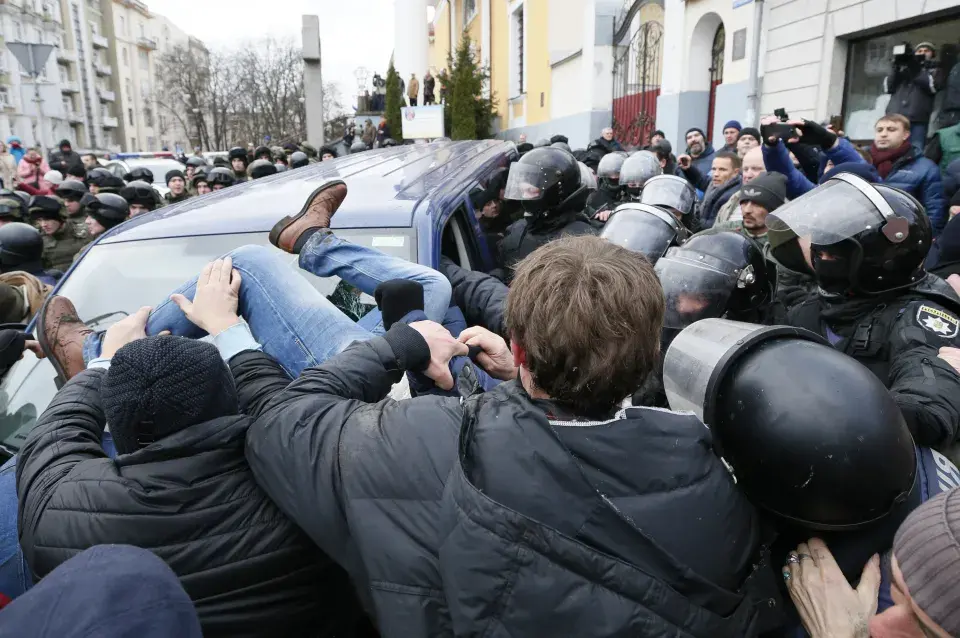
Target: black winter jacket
point(482, 298)
point(610, 529)
point(525, 236)
point(912, 92)
point(192, 500)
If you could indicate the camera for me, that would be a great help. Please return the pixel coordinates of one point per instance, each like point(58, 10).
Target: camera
point(782, 114)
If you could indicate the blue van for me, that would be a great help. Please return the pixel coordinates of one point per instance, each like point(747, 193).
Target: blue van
point(408, 201)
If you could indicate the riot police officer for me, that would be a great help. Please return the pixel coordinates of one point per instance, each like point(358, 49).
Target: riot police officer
point(139, 174)
point(200, 182)
point(100, 180)
point(21, 248)
point(645, 229)
point(865, 245)
point(72, 192)
point(140, 196)
point(636, 171)
point(262, 168)
point(12, 208)
point(548, 184)
point(609, 193)
point(673, 194)
point(104, 211)
point(60, 241)
point(221, 177)
point(192, 164)
point(819, 444)
point(299, 159)
point(238, 162)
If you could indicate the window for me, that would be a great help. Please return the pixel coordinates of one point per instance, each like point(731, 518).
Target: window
point(130, 116)
point(151, 143)
point(126, 58)
point(148, 118)
point(469, 11)
point(64, 76)
point(144, 89)
point(133, 144)
point(128, 87)
point(18, 31)
point(67, 104)
point(144, 60)
point(143, 31)
point(123, 25)
point(518, 84)
point(4, 96)
point(37, 35)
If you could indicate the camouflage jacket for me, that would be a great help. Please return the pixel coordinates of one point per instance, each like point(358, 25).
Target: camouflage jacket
point(59, 248)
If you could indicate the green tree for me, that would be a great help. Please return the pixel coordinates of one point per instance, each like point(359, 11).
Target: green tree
point(393, 103)
point(470, 113)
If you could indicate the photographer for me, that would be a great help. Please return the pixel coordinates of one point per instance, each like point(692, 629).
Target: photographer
point(914, 82)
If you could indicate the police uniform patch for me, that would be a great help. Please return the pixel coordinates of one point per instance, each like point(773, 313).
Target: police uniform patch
point(939, 322)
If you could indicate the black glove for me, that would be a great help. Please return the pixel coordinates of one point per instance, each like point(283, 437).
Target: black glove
point(12, 343)
point(768, 132)
point(816, 135)
point(396, 298)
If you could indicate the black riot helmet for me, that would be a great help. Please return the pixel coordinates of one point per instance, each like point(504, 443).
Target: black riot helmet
point(542, 143)
point(108, 209)
point(106, 181)
point(299, 159)
point(196, 161)
point(262, 168)
point(545, 180)
point(563, 146)
point(637, 170)
point(140, 193)
point(139, 173)
point(21, 247)
point(587, 178)
point(70, 190)
point(812, 436)
point(221, 175)
point(719, 274)
point(357, 147)
point(263, 152)
point(12, 207)
point(645, 229)
point(864, 239)
point(96, 175)
point(609, 169)
point(669, 192)
point(237, 153)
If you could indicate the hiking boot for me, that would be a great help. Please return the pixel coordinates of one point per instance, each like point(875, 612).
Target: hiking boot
point(316, 213)
point(61, 335)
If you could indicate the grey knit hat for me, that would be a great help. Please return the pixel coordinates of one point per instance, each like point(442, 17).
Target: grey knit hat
point(927, 548)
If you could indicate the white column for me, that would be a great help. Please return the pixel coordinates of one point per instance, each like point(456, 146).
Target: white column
point(410, 38)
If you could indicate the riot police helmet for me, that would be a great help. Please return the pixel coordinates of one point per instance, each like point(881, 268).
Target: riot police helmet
point(587, 178)
point(544, 181)
point(237, 152)
point(96, 175)
point(140, 193)
point(140, 173)
point(196, 161)
point(263, 152)
point(811, 435)
point(21, 246)
point(863, 238)
point(645, 229)
point(12, 207)
point(262, 168)
point(222, 176)
point(563, 146)
point(108, 209)
point(608, 171)
point(669, 192)
point(541, 143)
point(70, 190)
point(299, 159)
point(637, 169)
point(719, 274)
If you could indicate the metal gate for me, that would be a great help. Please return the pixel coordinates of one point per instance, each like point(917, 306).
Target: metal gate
point(716, 74)
point(636, 85)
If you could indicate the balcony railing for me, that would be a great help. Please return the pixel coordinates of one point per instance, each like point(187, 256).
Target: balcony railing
point(108, 121)
point(103, 69)
point(106, 95)
point(69, 86)
point(100, 41)
point(74, 118)
point(147, 43)
point(66, 55)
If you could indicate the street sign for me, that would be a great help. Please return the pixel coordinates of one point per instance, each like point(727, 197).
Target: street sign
point(32, 57)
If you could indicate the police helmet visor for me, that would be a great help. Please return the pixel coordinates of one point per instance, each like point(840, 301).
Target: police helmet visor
point(830, 213)
point(610, 166)
point(669, 191)
point(648, 233)
point(587, 178)
point(527, 182)
point(639, 168)
point(696, 286)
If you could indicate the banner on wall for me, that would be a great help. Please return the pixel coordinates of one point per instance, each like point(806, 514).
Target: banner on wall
point(422, 122)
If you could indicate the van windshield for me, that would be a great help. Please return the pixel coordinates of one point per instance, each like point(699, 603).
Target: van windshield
point(113, 280)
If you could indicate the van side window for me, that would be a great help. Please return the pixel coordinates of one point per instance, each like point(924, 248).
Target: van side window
point(458, 242)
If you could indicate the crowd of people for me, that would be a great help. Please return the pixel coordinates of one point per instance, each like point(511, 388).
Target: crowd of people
point(549, 473)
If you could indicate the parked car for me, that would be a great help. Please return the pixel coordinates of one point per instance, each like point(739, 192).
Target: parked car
point(408, 201)
point(160, 166)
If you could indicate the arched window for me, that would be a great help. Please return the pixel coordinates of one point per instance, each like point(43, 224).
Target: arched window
point(716, 73)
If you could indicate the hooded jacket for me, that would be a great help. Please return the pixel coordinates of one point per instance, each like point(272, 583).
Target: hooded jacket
point(63, 161)
point(191, 499)
point(715, 198)
point(449, 525)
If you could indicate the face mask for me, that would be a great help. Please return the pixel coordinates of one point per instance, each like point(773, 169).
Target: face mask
point(832, 275)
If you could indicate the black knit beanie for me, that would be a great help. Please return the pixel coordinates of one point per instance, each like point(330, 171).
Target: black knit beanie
point(160, 385)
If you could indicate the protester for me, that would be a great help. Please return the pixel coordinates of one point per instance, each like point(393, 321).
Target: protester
point(65, 158)
point(725, 180)
point(655, 138)
point(21, 249)
point(177, 183)
point(60, 240)
point(913, 85)
point(369, 135)
point(89, 161)
point(429, 84)
point(383, 133)
point(700, 150)
point(104, 211)
point(16, 148)
point(731, 133)
point(751, 166)
point(606, 141)
point(8, 168)
point(413, 89)
point(762, 195)
point(30, 173)
point(865, 245)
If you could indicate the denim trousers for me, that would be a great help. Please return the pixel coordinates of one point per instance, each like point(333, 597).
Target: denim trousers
point(918, 135)
point(289, 318)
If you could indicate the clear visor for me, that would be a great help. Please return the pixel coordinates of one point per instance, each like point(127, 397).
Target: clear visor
point(693, 290)
point(587, 178)
point(669, 191)
point(639, 168)
point(527, 182)
point(650, 234)
point(828, 214)
point(610, 166)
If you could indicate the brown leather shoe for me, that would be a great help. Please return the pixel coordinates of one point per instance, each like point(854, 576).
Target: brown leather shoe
point(316, 213)
point(61, 335)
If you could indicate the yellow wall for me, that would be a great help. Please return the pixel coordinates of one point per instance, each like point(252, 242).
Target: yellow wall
point(439, 49)
point(538, 62)
point(500, 57)
point(474, 29)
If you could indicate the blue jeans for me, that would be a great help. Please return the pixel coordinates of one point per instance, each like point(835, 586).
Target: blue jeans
point(289, 318)
point(14, 574)
point(918, 135)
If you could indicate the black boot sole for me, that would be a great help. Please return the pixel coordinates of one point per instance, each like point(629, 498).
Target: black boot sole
point(284, 223)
